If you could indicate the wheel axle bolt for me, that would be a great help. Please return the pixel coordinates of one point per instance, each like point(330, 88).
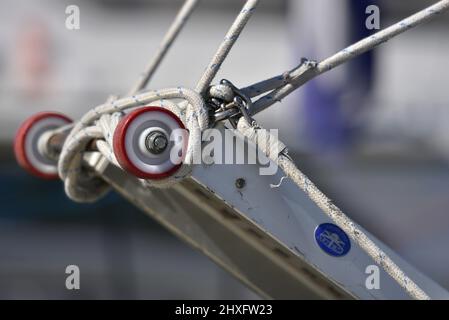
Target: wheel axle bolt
point(156, 142)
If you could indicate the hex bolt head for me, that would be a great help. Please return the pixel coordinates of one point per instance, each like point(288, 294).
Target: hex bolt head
point(240, 183)
point(156, 142)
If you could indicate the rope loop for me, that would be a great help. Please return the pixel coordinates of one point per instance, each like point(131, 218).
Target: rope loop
point(98, 124)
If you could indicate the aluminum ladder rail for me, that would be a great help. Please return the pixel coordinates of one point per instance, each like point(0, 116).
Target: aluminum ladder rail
point(263, 236)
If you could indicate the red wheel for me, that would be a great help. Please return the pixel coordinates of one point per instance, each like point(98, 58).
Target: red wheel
point(150, 142)
point(26, 143)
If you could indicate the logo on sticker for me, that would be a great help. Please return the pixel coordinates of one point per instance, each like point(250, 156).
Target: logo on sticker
point(332, 239)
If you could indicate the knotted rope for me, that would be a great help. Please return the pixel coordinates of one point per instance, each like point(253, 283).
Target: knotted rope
point(99, 123)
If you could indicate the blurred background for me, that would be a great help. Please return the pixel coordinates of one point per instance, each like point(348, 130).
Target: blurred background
point(373, 134)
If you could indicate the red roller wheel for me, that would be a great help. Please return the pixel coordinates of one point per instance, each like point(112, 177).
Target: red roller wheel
point(26, 143)
point(150, 142)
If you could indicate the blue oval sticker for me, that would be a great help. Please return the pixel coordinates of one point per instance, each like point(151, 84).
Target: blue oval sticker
point(332, 239)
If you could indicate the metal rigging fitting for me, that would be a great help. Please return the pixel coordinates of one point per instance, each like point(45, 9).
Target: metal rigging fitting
point(225, 108)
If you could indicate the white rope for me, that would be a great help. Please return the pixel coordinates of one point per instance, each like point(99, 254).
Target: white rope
point(226, 46)
point(99, 124)
point(269, 147)
point(173, 31)
point(107, 123)
point(76, 180)
point(309, 71)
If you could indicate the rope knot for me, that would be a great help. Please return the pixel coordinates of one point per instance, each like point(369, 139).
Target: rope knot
point(98, 124)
